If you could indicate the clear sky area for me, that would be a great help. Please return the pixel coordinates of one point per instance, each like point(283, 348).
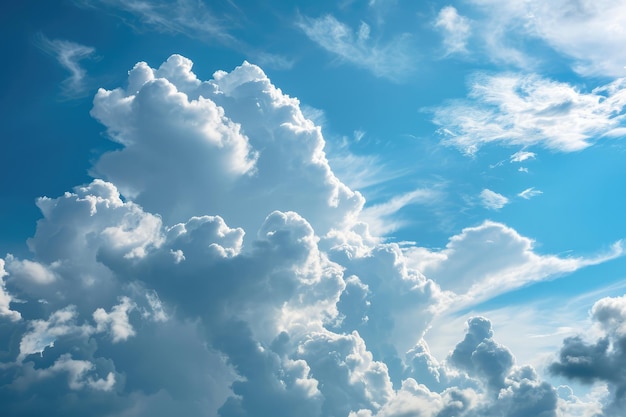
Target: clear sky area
point(357, 208)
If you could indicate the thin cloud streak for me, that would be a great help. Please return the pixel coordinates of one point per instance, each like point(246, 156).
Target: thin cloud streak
point(68, 54)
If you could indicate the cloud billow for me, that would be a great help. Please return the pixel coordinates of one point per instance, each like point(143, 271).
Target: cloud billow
point(216, 266)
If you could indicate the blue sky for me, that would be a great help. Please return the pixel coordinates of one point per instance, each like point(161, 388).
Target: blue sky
point(351, 208)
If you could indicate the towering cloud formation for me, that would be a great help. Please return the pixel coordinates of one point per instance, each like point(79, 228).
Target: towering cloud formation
point(219, 146)
point(218, 268)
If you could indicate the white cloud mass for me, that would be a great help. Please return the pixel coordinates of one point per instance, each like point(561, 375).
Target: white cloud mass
point(219, 268)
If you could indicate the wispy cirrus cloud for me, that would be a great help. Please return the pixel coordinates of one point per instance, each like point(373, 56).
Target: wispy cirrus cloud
point(390, 59)
point(529, 193)
point(516, 109)
point(192, 18)
point(592, 34)
point(208, 23)
point(68, 54)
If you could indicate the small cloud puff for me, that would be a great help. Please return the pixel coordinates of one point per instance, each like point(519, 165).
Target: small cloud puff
point(492, 200)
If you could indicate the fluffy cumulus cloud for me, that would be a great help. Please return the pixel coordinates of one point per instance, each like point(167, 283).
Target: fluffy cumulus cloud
point(195, 277)
point(528, 110)
point(189, 146)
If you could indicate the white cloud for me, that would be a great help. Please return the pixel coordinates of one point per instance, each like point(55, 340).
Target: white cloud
point(389, 59)
point(527, 110)
point(529, 193)
point(491, 259)
point(30, 271)
point(492, 200)
point(43, 333)
point(610, 312)
point(116, 322)
point(522, 156)
point(248, 285)
point(78, 375)
point(241, 139)
point(68, 54)
point(6, 298)
point(591, 33)
point(456, 30)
